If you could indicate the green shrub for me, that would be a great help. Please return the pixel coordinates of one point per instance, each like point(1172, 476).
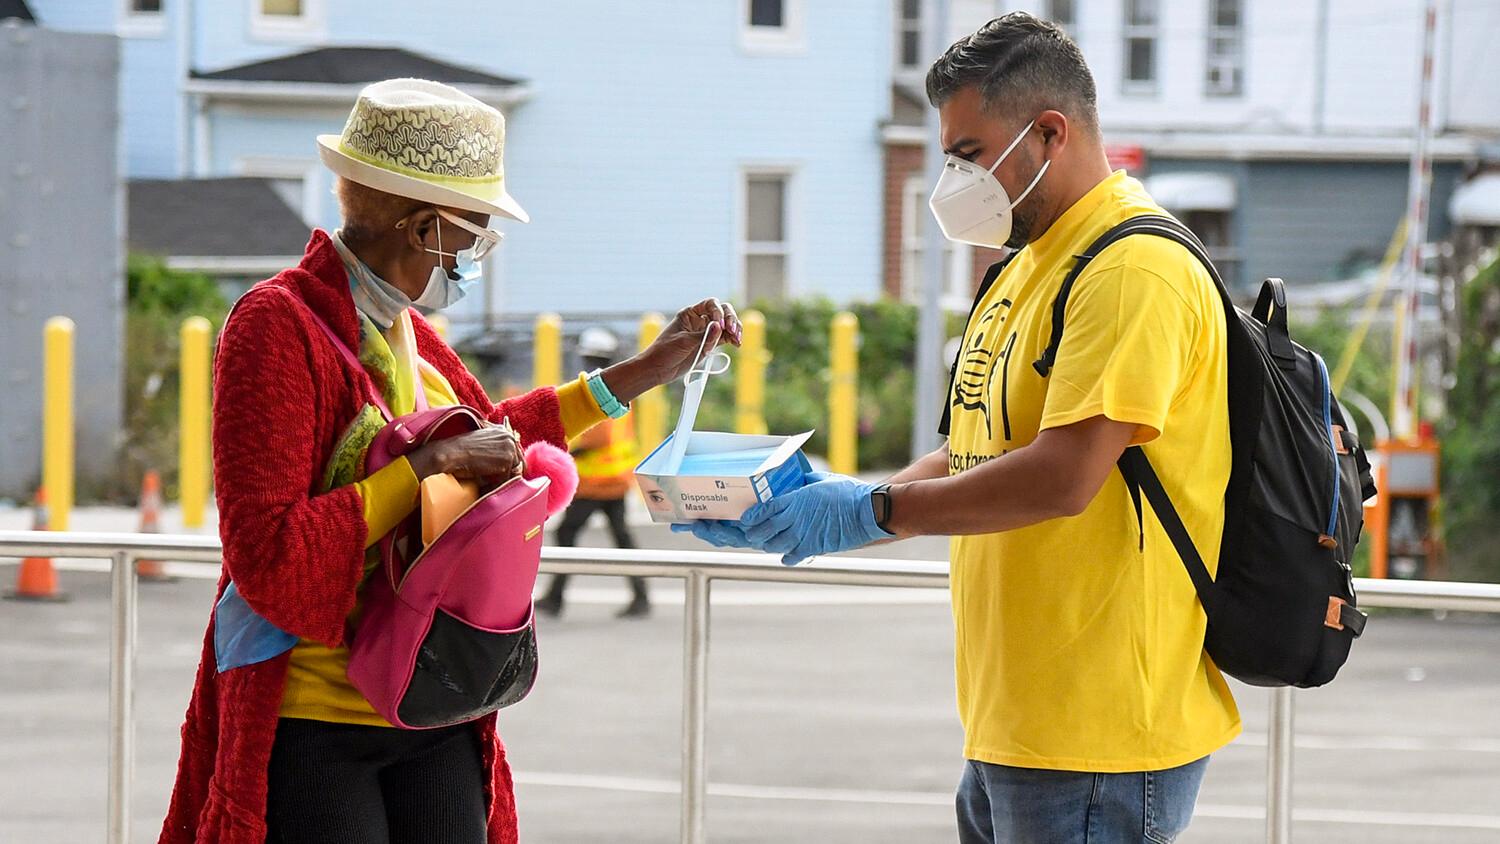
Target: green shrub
point(1470, 435)
point(797, 377)
point(158, 300)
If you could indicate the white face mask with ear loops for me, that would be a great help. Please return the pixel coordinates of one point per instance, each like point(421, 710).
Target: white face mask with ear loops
point(696, 379)
point(971, 205)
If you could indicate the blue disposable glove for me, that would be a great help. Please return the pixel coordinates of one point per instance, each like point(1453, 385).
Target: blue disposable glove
point(715, 532)
point(831, 514)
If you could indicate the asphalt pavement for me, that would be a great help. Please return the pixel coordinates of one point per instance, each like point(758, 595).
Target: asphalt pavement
point(831, 718)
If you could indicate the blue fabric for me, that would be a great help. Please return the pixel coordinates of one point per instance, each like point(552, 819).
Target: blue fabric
point(243, 637)
point(997, 803)
point(727, 464)
point(831, 513)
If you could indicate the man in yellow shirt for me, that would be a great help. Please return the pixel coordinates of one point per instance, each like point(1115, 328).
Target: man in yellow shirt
point(1089, 706)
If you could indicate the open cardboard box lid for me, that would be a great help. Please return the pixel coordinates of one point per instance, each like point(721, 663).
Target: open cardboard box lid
point(683, 496)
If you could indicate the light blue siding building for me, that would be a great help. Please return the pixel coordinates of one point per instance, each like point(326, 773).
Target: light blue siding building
point(666, 150)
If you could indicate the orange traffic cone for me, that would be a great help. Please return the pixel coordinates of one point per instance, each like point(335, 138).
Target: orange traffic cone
point(150, 515)
point(37, 579)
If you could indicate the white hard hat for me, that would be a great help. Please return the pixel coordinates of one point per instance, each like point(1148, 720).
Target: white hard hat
point(598, 343)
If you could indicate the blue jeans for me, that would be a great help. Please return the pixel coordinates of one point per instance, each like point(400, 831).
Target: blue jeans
point(1007, 805)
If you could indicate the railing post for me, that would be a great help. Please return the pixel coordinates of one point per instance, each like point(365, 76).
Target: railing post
point(694, 707)
point(1280, 733)
point(121, 694)
point(57, 420)
point(750, 376)
point(843, 395)
point(650, 407)
point(546, 356)
point(193, 450)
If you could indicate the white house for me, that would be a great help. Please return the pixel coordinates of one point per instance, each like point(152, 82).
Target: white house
point(1279, 129)
point(665, 150)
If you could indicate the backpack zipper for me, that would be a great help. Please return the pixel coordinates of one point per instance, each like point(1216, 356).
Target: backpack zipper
point(1333, 452)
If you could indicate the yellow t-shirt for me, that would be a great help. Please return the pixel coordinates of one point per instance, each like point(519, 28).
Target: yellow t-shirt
point(1075, 648)
point(317, 681)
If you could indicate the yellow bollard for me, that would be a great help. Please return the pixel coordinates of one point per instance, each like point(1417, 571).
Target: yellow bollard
point(57, 420)
point(193, 409)
point(546, 366)
point(843, 395)
point(750, 376)
point(650, 407)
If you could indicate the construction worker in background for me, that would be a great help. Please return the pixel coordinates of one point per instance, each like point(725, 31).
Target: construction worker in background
point(606, 457)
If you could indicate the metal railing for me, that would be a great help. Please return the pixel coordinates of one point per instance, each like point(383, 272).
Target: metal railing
point(698, 569)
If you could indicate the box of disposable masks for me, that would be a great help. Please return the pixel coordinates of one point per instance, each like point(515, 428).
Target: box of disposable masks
point(719, 476)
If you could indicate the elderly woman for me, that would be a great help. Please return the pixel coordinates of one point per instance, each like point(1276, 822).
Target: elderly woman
point(278, 745)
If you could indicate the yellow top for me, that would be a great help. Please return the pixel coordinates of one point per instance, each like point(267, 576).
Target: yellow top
point(317, 685)
point(1075, 649)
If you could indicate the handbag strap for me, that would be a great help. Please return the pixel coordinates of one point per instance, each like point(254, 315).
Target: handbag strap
point(372, 394)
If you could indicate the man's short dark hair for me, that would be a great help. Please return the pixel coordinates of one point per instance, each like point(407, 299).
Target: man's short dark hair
point(1021, 64)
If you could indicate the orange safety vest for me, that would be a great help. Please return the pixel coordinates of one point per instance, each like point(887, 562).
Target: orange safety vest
point(605, 470)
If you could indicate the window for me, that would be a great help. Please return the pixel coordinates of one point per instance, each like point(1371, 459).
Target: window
point(771, 26)
point(142, 19)
point(958, 262)
point(282, 19)
point(294, 180)
point(1064, 13)
point(909, 35)
point(1140, 46)
point(766, 249)
point(1213, 228)
point(1225, 66)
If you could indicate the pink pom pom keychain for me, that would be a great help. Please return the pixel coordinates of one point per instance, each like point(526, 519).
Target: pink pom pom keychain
point(546, 459)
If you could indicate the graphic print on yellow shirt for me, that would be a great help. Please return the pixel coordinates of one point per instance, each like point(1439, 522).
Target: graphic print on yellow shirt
point(1079, 642)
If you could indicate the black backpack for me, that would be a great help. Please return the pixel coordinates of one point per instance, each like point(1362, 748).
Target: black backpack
point(1281, 611)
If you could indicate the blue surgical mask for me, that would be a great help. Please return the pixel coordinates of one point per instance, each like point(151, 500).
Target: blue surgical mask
point(444, 288)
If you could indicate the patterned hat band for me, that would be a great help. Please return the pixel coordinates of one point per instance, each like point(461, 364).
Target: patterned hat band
point(439, 144)
point(425, 141)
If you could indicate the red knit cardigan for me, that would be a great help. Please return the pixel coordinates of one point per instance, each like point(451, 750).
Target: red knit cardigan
point(282, 398)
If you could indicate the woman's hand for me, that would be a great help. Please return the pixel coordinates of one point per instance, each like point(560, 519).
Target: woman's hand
point(676, 349)
point(489, 455)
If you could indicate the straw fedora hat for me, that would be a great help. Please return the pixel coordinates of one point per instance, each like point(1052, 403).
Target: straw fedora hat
point(427, 141)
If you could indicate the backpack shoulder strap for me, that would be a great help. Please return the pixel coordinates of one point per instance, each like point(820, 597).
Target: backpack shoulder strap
point(360, 374)
point(1142, 480)
point(1154, 224)
point(1140, 477)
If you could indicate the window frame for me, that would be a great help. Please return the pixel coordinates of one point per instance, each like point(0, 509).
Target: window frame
point(137, 24)
point(287, 168)
point(1234, 61)
point(1071, 25)
point(1225, 252)
point(303, 27)
point(958, 287)
point(789, 38)
point(1129, 32)
point(905, 25)
point(744, 247)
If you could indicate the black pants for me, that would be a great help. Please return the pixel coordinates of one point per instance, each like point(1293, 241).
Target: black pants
point(575, 517)
point(352, 784)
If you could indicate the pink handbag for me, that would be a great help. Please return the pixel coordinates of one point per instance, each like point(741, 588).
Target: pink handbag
point(449, 635)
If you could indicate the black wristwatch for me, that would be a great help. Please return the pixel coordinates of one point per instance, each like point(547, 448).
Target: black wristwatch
point(880, 502)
